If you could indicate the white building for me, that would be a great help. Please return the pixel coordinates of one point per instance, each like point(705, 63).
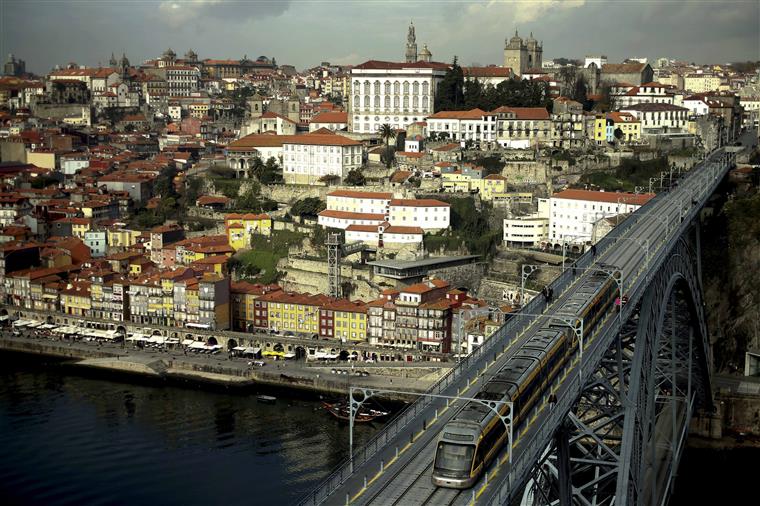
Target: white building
point(573, 213)
point(74, 162)
point(526, 230)
point(597, 60)
point(346, 208)
point(308, 158)
point(654, 93)
point(428, 214)
point(475, 124)
point(659, 118)
point(701, 83)
point(182, 80)
point(384, 234)
point(269, 122)
point(394, 93)
point(97, 242)
point(697, 105)
point(333, 120)
point(358, 202)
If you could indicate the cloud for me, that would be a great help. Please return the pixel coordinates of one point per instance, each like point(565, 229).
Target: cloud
point(178, 12)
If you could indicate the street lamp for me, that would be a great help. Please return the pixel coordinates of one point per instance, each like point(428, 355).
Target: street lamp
point(564, 246)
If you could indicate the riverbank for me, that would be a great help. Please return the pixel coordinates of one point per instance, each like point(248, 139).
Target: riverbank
point(223, 370)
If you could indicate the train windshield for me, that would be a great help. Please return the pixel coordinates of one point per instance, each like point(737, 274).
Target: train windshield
point(454, 457)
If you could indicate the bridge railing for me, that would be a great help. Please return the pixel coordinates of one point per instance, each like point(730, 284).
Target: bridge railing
point(422, 407)
point(540, 439)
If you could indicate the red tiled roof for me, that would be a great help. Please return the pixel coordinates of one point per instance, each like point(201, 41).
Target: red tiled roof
point(491, 71)
point(347, 215)
point(331, 117)
point(361, 195)
point(638, 199)
point(419, 203)
point(524, 113)
point(471, 114)
point(386, 65)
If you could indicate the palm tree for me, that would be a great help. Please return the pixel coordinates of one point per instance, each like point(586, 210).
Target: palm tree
point(387, 133)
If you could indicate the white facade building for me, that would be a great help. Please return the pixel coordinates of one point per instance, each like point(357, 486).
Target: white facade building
point(701, 83)
point(659, 118)
point(307, 158)
point(573, 213)
point(384, 234)
point(359, 202)
point(71, 164)
point(182, 80)
point(696, 105)
point(394, 93)
point(654, 93)
point(476, 125)
point(428, 214)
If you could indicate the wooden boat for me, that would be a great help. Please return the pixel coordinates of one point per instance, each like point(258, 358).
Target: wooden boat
point(266, 399)
point(341, 411)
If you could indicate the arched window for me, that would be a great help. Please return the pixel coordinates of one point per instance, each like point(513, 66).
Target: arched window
point(387, 102)
point(357, 87)
point(406, 87)
point(366, 101)
point(366, 88)
point(356, 101)
point(415, 101)
point(395, 102)
point(406, 102)
point(377, 87)
point(387, 87)
point(377, 101)
point(416, 87)
point(425, 88)
point(396, 88)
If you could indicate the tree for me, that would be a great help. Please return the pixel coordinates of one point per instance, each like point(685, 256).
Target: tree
point(355, 178)
point(309, 207)
point(387, 133)
point(450, 93)
point(618, 134)
point(329, 179)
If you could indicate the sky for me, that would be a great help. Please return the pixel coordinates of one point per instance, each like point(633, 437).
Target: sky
point(304, 33)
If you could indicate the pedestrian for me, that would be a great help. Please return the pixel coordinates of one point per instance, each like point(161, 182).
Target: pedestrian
point(551, 294)
point(593, 250)
point(552, 401)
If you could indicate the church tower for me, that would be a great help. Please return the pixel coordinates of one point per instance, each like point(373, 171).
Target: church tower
point(411, 45)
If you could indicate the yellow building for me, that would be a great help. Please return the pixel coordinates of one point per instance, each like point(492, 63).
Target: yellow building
point(600, 129)
point(290, 312)
point(456, 182)
point(628, 125)
point(243, 297)
point(75, 299)
point(122, 238)
point(344, 320)
point(241, 228)
point(198, 110)
point(490, 185)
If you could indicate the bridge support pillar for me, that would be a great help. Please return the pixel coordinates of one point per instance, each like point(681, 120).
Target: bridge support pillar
point(563, 466)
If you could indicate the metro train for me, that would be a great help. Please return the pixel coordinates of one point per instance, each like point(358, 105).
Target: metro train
point(472, 439)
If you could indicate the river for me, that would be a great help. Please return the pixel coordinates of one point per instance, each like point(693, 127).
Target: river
point(69, 439)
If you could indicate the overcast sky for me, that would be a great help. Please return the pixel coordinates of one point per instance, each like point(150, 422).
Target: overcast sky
point(305, 33)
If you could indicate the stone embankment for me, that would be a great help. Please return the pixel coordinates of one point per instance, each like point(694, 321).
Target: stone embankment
point(218, 370)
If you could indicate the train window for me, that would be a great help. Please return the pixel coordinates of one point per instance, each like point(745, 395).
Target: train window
point(454, 457)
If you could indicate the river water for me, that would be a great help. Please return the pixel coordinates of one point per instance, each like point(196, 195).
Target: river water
point(68, 439)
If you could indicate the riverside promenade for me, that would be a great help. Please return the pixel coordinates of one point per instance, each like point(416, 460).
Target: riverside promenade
point(226, 370)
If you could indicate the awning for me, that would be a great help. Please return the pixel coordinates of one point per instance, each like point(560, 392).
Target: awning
point(34, 324)
point(197, 344)
point(290, 355)
point(46, 326)
point(239, 348)
point(21, 323)
point(172, 340)
point(252, 351)
point(137, 338)
point(156, 339)
point(3, 318)
point(187, 342)
point(198, 325)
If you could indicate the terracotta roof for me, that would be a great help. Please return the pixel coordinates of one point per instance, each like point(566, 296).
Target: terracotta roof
point(361, 195)
point(491, 71)
point(471, 114)
point(638, 199)
point(362, 228)
point(404, 230)
point(347, 215)
point(258, 141)
point(524, 113)
point(274, 115)
point(419, 203)
point(252, 288)
point(386, 65)
point(447, 147)
point(331, 117)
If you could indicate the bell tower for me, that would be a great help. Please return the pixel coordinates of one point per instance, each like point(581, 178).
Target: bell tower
point(411, 45)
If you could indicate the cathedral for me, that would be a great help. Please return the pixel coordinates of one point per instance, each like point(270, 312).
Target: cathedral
point(411, 55)
point(522, 55)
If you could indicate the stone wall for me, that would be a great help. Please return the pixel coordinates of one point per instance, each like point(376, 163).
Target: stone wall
point(467, 276)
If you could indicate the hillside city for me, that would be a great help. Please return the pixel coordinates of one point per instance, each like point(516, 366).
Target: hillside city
point(187, 201)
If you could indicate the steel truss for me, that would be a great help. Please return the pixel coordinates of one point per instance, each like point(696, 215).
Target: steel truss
point(621, 441)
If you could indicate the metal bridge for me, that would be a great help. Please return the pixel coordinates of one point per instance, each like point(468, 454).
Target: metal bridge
point(615, 434)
